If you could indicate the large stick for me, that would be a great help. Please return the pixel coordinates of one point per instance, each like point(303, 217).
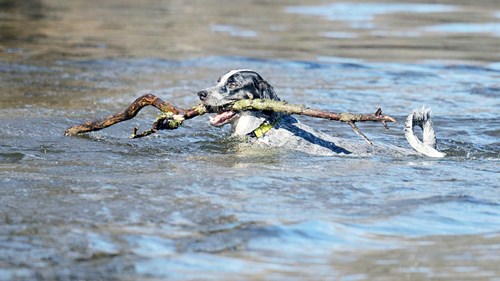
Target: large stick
point(130, 112)
point(279, 106)
point(173, 117)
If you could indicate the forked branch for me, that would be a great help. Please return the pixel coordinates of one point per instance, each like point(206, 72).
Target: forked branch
point(172, 117)
point(349, 118)
point(162, 122)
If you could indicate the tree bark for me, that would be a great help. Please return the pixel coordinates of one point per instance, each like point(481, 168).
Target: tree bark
point(172, 117)
point(129, 113)
point(280, 106)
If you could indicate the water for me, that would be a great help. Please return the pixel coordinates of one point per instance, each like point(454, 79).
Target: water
point(187, 204)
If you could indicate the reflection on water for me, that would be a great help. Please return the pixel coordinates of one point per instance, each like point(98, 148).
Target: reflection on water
point(234, 31)
point(360, 15)
point(386, 31)
point(489, 28)
point(189, 204)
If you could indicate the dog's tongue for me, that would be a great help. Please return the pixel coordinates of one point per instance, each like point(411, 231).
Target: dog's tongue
point(222, 118)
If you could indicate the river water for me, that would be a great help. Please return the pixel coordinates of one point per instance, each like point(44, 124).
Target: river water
point(187, 204)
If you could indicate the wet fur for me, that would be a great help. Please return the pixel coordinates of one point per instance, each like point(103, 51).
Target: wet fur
point(291, 134)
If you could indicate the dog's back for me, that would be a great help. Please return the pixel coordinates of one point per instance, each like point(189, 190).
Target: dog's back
point(276, 129)
point(295, 135)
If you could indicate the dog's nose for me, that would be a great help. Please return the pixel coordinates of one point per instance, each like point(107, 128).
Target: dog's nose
point(203, 95)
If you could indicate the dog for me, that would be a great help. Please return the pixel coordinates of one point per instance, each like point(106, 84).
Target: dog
point(281, 130)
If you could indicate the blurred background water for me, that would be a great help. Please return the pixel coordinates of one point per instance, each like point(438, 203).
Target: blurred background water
point(186, 204)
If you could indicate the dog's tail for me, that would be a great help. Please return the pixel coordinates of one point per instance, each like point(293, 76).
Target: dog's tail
point(422, 118)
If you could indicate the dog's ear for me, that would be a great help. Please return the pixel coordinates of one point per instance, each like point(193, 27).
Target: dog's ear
point(266, 91)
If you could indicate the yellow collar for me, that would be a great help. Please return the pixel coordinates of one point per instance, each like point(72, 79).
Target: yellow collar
point(264, 128)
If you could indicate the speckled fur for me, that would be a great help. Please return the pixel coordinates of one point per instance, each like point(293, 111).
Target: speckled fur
point(289, 133)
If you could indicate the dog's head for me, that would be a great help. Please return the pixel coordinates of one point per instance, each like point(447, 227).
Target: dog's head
point(233, 86)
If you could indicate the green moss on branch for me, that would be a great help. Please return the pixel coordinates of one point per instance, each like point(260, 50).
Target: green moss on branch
point(172, 117)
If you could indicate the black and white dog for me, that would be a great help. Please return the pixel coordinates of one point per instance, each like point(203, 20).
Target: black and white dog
point(277, 129)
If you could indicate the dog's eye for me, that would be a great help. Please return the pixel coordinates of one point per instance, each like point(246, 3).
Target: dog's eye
point(232, 85)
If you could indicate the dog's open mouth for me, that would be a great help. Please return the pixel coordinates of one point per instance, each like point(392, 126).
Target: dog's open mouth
point(222, 118)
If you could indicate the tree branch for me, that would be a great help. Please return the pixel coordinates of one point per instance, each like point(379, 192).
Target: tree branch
point(349, 118)
point(167, 120)
point(172, 117)
point(129, 113)
point(280, 106)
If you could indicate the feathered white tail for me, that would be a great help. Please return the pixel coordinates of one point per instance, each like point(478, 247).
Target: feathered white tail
point(422, 118)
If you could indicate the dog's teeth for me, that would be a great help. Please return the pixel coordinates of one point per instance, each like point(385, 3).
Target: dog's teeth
point(210, 118)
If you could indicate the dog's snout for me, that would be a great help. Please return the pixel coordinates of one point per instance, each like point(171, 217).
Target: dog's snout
point(203, 95)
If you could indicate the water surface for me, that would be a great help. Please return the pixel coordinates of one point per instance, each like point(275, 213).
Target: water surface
point(188, 204)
